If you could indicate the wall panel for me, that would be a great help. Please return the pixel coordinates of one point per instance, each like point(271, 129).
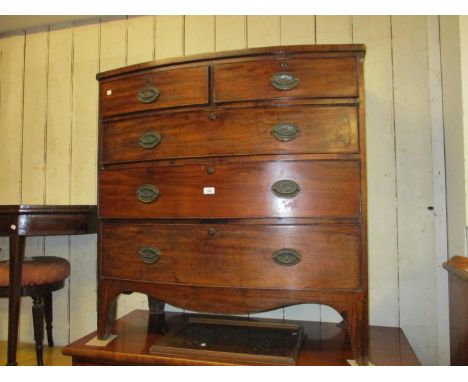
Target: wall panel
point(140, 42)
point(35, 116)
point(263, 31)
point(82, 252)
point(333, 29)
point(83, 285)
point(413, 142)
point(230, 33)
point(440, 191)
point(85, 114)
point(297, 30)
point(113, 44)
point(375, 32)
point(170, 36)
point(11, 117)
point(59, 111)
point(199, 34)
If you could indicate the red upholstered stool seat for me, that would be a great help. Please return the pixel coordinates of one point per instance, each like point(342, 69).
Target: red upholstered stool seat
point(41, 276)
point(37, 271)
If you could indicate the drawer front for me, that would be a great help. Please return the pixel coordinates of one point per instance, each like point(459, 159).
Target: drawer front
point(301, 78)
point(250, 256)
point(155, 90)
point(237, 190)
point(299, 129)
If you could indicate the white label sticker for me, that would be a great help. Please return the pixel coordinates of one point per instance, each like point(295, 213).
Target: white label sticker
point(208, 190)
point(109, 92)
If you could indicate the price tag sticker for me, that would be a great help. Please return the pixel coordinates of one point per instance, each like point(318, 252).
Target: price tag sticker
point(109, 92)
point(208, 190)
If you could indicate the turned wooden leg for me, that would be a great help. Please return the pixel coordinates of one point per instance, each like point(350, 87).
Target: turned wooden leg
point(38, 320)
point(48, 317)
point(107, 308)
point(14, 295)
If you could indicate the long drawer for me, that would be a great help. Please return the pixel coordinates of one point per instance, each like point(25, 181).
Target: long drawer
point(280, 130)
point(332, 77)
point(250, 256)
point(154, 90)
point(238, 190)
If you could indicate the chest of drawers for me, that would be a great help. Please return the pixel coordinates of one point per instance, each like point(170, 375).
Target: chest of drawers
point(235, 183)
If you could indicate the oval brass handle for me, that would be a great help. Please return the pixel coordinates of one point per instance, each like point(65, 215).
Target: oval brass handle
point(285, 188)
point(147, 193)
point(148, 94)
point(149, 255)
point(150, 139)
point(284, 81)
point(285, 132)
point(287, 257)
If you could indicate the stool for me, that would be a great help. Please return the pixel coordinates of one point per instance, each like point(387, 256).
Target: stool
point(41, 276)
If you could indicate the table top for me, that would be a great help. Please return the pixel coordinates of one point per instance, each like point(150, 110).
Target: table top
point(47, 220)
point(325, 344)
point(458, 265)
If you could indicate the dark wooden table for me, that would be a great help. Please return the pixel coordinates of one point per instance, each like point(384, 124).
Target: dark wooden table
point(20, 221)
point(325, 344)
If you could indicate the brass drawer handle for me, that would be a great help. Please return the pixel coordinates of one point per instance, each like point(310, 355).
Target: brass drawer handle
point(284, 81)
point(285, 188)
point(150, 139)
point(286, 257)
point(147, 193)
point(285, 132)
point(148, 94)
point(149, 255)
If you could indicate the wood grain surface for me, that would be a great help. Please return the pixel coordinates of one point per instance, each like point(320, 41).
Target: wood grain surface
point(320, 77)
point(457, 268)
point(209, 162)
point(241, 190)
point(180, 87)
point(234, 255)
point(242, 131)
point(325, 344)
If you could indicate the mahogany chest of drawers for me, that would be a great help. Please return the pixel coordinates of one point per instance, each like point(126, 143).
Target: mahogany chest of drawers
point(235, 183)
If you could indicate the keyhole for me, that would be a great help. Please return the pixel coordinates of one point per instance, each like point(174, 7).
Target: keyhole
point(212, 116)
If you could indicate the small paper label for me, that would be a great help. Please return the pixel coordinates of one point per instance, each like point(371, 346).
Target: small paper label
point(208, 190)
point(109, 92)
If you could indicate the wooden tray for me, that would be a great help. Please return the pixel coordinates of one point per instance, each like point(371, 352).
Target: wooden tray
point(242, 341)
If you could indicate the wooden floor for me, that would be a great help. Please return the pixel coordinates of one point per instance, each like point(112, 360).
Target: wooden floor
point(26, 355)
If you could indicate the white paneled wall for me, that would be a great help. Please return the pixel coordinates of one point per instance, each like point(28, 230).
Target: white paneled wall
point(48, 148)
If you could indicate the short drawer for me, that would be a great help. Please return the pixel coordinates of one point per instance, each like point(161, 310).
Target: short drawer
point(333, 77)
point(238, 190)
point(245, 131)
point(246, 256)
point(155, 90)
